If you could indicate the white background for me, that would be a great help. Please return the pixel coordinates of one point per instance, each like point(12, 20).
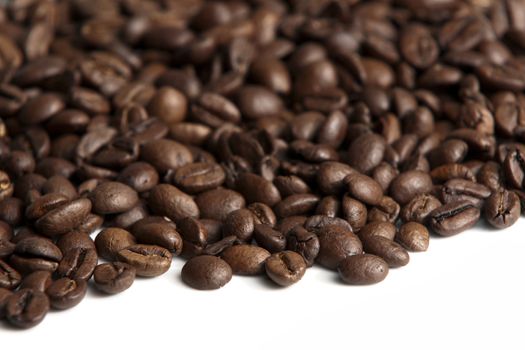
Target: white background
point(466, 292)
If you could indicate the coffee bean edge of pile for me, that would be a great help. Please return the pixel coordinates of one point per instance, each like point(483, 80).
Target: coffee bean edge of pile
point(255, 137)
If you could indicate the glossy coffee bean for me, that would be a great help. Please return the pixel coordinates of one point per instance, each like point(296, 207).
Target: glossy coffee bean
point(38, 281)
point(148, 260)
point(285, 268)
point(206, 272)
point(413, 236)
point(388, 250)
point(410, 184)
point(9, 277)
point(335, 244)
point(112, 198)
point(304, 242)
point(364, 188)
point(35, 253)
point(78, 264)
point(66, 293)
point(111, 240)
point(419, 208)
point(245, 259)
point(453, 218)
point(363, 269)
point(502, 209)
point(26, 308)
point(113, 278)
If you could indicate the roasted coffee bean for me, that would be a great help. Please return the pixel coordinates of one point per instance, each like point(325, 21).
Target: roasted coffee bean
point(113, 278)
point(514, 168)
point(304, 242)
point(354, 212)
point(4, 295)
point(491, 175)
point(453, 218)
point(148, 260)
point(165, 154)
point(206, 272)
point(316, 223)
point(113, 197)
point(66, 293)
point(74, 239)
point(378, 228)
point(328, 206)
point(285, 268)
point(386, 210)
point(413, 236)
point(6, 186)
point(459, 189)
point(255, 188)
point(194, 234)
point(169, 201)
point(239, 223)
point(288, 185)
point(9, 277)
point(335, 244)
point(140, 176)
point(199, 177)
point(246, 259)
point(78, 264)
point(366, 152)
point(419, 208)
point(262, 214)
point(410, 184)
point(364, 188)
point(64, 218)
point(390, 251)
point(38, 280)
point(35, 253)
point(502, 209)
point(162, 233)
point(112, 240)
point(363, 269)
point(169, 104)
point(26, 308)
point(218, 203)
point(213, 110)
point(296, 204)
point(270, 239)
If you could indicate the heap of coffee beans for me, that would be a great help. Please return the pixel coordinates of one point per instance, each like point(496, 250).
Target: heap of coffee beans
point(251, 137)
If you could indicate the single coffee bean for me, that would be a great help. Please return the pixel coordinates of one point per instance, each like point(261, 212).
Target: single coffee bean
point(113, 197)
point(35, 253)
point(73, 240)
point(78, 264)
point(246, 259)
point(66, 293)
point(413, 236)
point(206, 272)
point(502, 209)
point(378, 228)
point(218, 203)
point(167, 200)
point(366, 152)
point(363, 269)
point(26, 308)
point(199, 177)
point(304, 242)
point(458, 189)
point(453, 218)
point(148, 260)
point(239, 223)
point(335, 244)
point(364, 188)
point(390, 251)
point(331, 175)
point(354, 212)
point(9, 277)
point(514, 168)
point(162, 233)
point(410, 184)
point(4, 295)
point(216, 248)
point(419, 208)
point(6, 186)
point(113, 278)
point(328, 206)
point(285, 268)
point(165, 154)
point(255, 188)
point(270, 239)
point(262, 214)
point(38, 280)
point(140, 176)
point(112, 240)
point(296, 204)
point(386, 210)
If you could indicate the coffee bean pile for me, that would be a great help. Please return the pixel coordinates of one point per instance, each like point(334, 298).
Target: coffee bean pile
point(250, 137)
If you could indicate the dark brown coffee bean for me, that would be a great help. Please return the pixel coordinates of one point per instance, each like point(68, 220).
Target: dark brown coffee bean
point(148, 260)
point(364, 188)
point(296, 204)
point(491, 175)
point(256, 102)
point(413, 236)
point(214, 110)
point(366, 152)
point(410, 184)
point(41, 108)
point(262, 214)
point(218, 203)
point(335, 245)
point(502, 209)
point(331, 175)
point(514, 168)
point(78, 264)
point(34, 253)
point(169, 201)
point(206, 272)
point(419, 208)
point(112, 240)
point(390, 251)
point(363, 269)
point(9, 277)
point(26, 308)
point(74, 239)
point(453, 218)
point(246, 259)
point(162, 233)
point(199, 177)
point(140, 176)
point(113, 197)
point(113, 278)
point(459, 189)
point(270, 239)
point(4, 295)
point(285, 268)
point(66, 293)
point(255, 188)
point(169, 105)
point(304, 242)
point(38, 281)
point(166, 154)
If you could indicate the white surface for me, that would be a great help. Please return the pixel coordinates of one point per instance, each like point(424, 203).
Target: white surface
point(466, 292)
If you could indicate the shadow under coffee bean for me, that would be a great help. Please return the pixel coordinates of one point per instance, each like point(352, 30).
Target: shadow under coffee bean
point(248, 138)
